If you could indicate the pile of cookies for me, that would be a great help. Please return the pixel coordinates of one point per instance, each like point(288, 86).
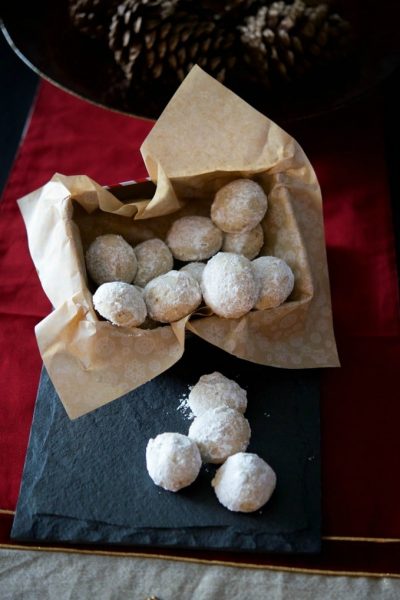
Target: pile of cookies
point(219, 434)
point(138, 284)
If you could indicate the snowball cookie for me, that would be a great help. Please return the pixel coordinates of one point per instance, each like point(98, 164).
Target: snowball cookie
point(173, 461)
point(194, 238)
point(220, 432)
point(239, 206)
point(216, 390)
point(172, 296)
point(228, 285)
point(248, 243)
point(153, 259)
point(195, 269)
point(111, 258)
point(120, 303)
point(275, 280)
point(244, 483)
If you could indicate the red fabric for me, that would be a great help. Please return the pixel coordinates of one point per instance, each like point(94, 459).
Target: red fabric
point(360, 411)
point(72, 137)
point(360, 444)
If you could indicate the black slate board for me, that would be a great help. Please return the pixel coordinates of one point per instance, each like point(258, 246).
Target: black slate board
point(86, 480)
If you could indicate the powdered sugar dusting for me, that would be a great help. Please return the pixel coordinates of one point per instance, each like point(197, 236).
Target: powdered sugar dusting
point(111, 258)
point(229, 286)
point(153, 259)
point(120, 303)
point(195, 269)
point(248, 243)
point(244, 483)
point(184, 407)
point(275, 279)
point(214, 390)
point(219, 433)
point(172, 296)
point(239, 206)
point(173, 461)
point(194, 238)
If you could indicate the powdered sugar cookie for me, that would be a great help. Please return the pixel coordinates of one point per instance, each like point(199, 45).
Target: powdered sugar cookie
point(275, 280)
point(239, 206)
point(244, 483)
point(172, 296)
point(219, 433)
point(215, 390)
point(153, 259)
point(173, 461)
point(228, 285)
point(248, 243)
point(111, 258)
point(195, 269)
point(194, 238)
point(120, 303)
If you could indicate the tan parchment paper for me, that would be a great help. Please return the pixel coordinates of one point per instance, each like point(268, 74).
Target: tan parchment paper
point(206, 137)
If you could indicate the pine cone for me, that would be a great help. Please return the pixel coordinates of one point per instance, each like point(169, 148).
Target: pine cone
point(154, 38)
point(285, 41)
point(218, 9)
point(92, 17)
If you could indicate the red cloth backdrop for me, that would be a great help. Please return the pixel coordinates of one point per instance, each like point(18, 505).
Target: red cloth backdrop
point(360, 411)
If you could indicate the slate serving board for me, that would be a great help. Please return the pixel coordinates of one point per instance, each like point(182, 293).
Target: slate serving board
point(86, 480)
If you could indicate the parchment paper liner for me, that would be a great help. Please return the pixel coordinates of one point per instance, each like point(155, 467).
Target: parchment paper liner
point(206, 137)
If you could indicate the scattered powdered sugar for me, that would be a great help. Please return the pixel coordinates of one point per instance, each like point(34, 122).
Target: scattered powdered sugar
point(229, 286)
point(184, 407)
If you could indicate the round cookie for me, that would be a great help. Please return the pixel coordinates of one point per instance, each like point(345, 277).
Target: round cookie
point(275, 281)
point(120, 303)
point(173, 461)
point(248, 243)
point(219, 433)
point(154, 258)
point(244, 483)
point(195, 269)
point(216, 390)
point(194, 238)
point(228, 285)
point(172, 296)
point(110, 258)
point(239, 206)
